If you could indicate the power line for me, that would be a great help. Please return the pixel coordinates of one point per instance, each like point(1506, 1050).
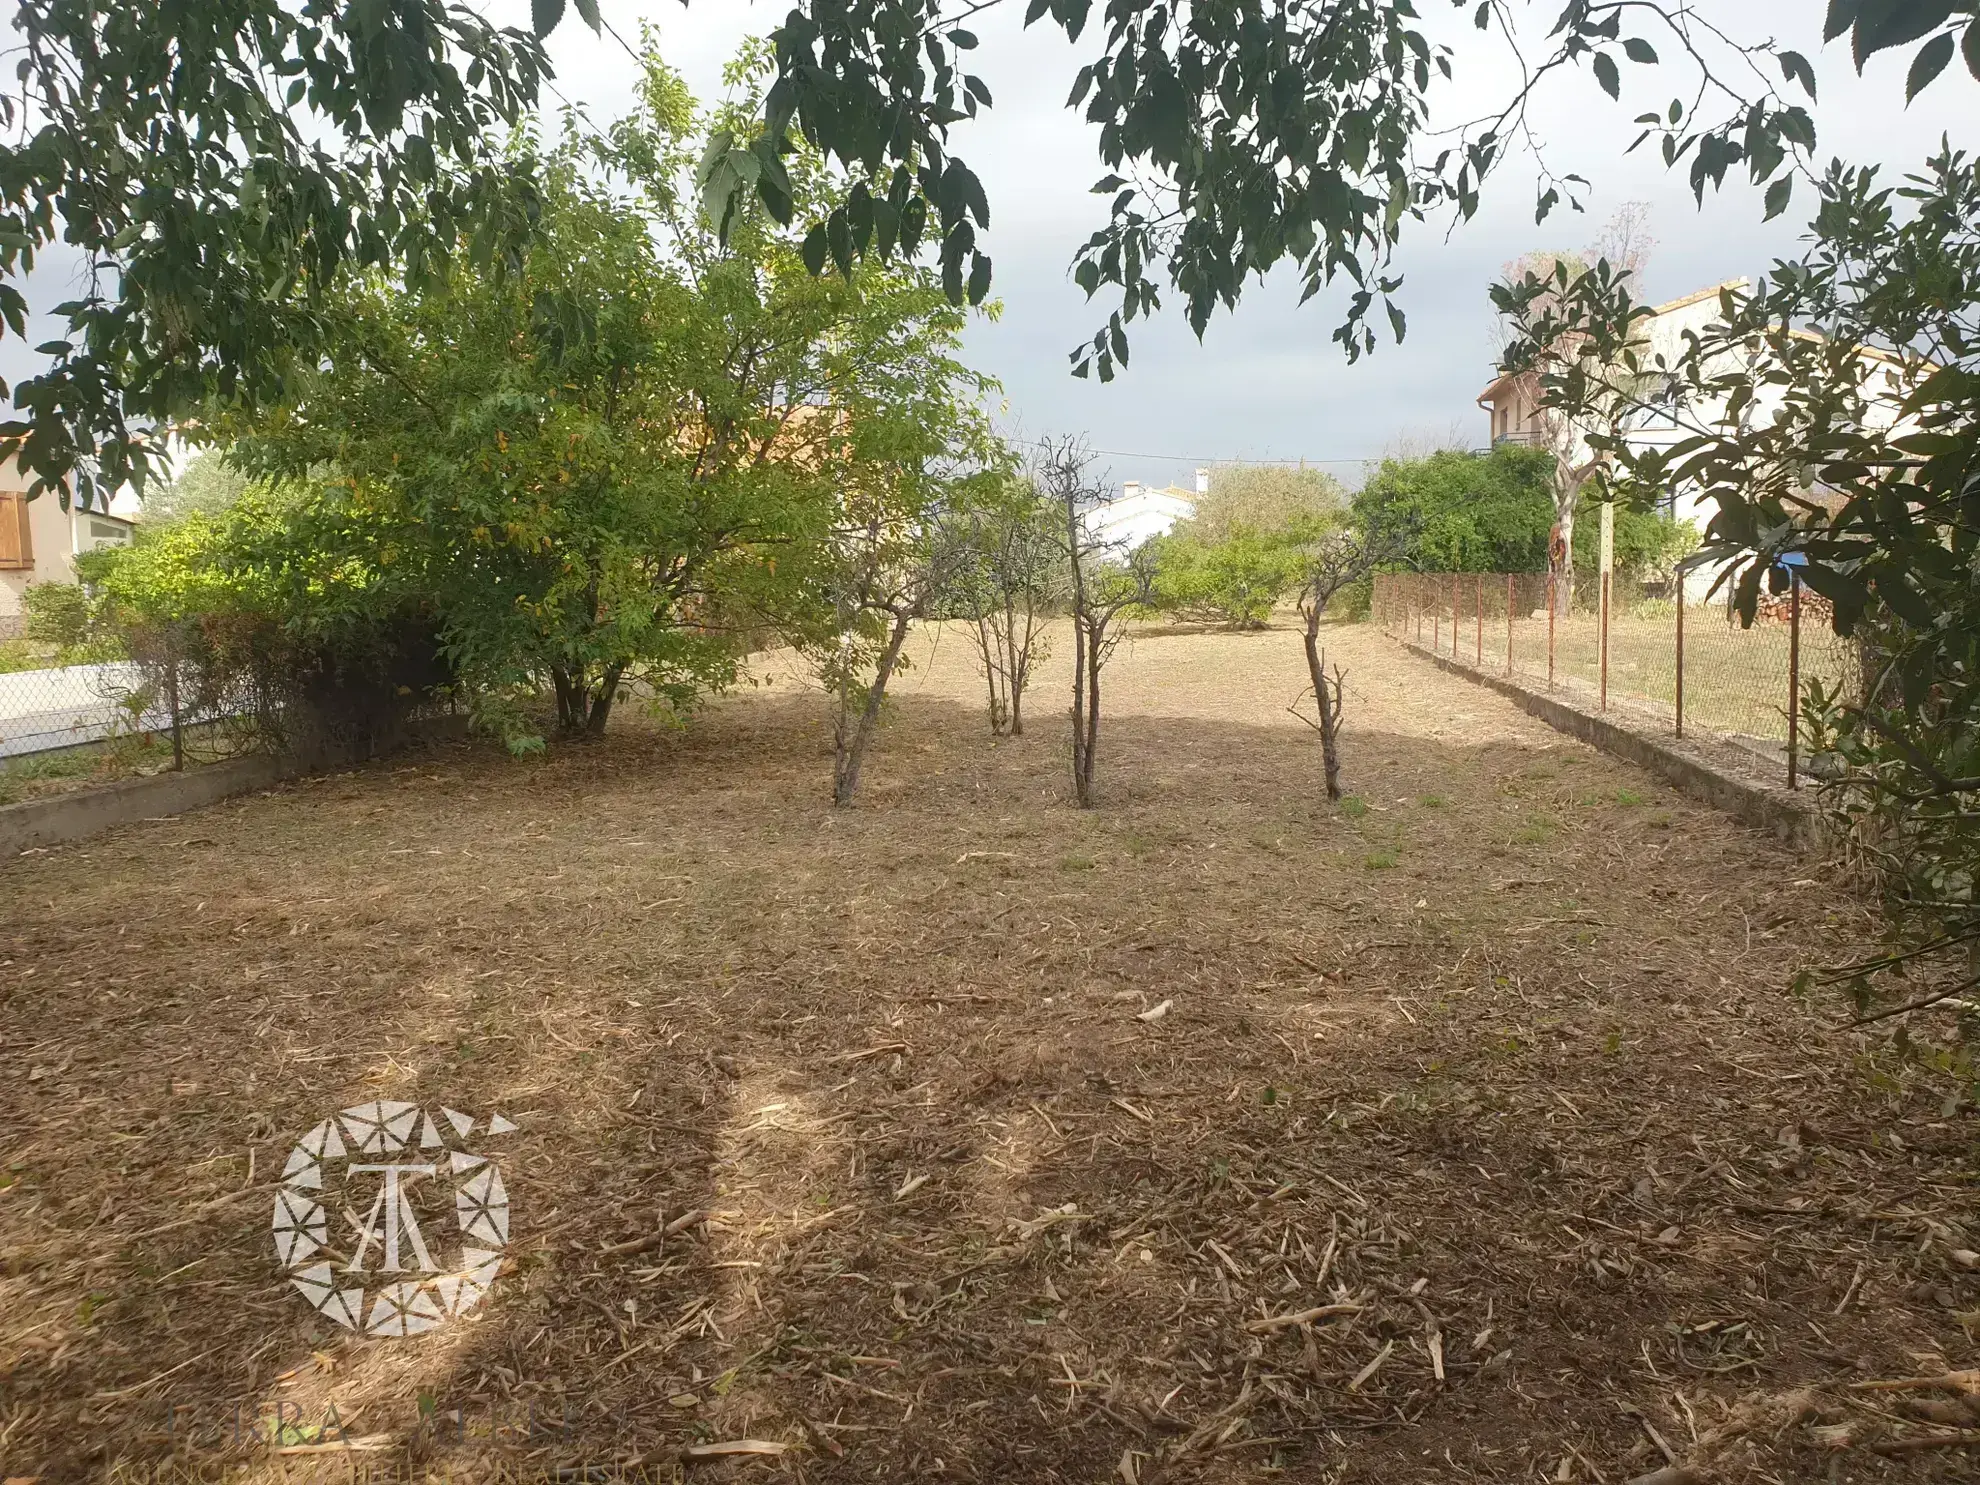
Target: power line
point(1207, 458)
point(1219, 458)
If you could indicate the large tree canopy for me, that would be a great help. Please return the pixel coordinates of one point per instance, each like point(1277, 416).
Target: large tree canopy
point(1240, 136)
point(220, 164)
point(602, 470)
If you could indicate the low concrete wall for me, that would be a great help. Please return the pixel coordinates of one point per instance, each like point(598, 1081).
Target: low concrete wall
point(86, 812)
point(1775, 810)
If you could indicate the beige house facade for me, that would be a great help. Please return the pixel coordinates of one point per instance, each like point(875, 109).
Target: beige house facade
point(1511, 403)
point(39, 540)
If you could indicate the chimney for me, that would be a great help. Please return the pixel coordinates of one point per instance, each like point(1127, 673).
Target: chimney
point(1203, 482)
point(1130, 489)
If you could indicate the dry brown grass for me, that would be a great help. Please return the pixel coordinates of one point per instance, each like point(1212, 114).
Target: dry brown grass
point(1504, 1061)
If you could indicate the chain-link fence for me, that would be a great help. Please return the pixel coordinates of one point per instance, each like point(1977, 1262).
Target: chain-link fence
point(45, 707)
point(1687, 666)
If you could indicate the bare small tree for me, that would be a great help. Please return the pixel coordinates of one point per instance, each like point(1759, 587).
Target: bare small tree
point(1015, 574)
point(1106, 584)
point(1334, 559)
point(888, 576)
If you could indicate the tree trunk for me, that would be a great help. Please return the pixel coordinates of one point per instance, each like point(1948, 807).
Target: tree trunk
point(1092, 721)
point(851, 752)
point(601, 701)
point(1017, 663)
point(1082, 775)
point(1327, 697)
point(996, 678)
point(568, 690)
point(1567, 490)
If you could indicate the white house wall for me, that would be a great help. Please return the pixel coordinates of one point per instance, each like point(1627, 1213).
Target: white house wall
point(1126, 521)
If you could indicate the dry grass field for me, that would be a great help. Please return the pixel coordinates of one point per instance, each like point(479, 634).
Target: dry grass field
point(1479, 1140)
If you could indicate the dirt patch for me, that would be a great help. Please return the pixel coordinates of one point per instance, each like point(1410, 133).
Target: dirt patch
point(1479, 1139)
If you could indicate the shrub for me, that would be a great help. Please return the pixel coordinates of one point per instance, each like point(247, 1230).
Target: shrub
point(55, 614)
point(1265, 497)
point(279, 620)
point(1235, 581)
point(1467, 512)
point(1353, 601)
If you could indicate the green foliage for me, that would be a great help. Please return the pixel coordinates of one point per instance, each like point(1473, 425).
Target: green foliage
point(55, 614)
point(1354, 600)
point(598, 472)
point(230, 162)
point(60, 624)
point(1265, 497)
point(206, 486)
point(1236, 138)
point(1465, 512)
point(1235, 581)
point(235, 160)
point(1011, 580)
point(1647, 542)
point(1247, 545)
point(1867, 353)
point(282, 618)
point(17, 655)
point(23, 778)
point(318, 567)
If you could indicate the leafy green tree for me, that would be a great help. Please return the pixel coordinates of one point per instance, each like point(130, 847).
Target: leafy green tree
point(1239, 554)
point(1235, 581)
point(604, 462)
point(221, 166)
point(1241, 136)
point(1833, 416)
point(1493, 512)
point(1265, 497)
point(1012, 583)
point(1465, 512)
point(280, 618)
point(206, 486)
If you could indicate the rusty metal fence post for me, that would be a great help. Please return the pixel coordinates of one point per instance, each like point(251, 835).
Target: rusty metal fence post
point(1794, 672)
point(1679, 689)
point(1478, 602)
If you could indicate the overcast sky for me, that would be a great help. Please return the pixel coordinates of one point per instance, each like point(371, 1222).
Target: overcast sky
point(1267, 382)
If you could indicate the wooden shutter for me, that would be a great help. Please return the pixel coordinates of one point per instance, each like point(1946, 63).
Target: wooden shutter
point(16, 537)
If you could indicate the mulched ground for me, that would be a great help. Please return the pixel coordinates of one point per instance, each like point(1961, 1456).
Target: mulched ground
point(1480, 1138)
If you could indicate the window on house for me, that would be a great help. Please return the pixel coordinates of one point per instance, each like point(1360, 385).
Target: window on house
point(16, 537)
